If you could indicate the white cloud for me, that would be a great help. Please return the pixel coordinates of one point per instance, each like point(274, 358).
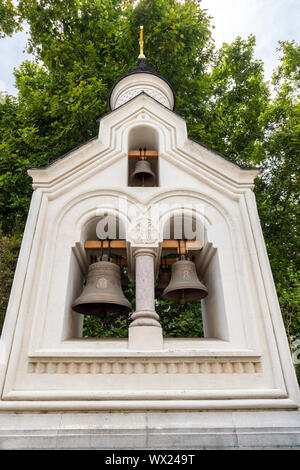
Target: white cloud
point(11, 56)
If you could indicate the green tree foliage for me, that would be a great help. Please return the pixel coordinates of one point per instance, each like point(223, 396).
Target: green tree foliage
point(9, 250)
point(176, 320)
point(9, 18)
point(277, 189)
point(238, 97)
point(180, 320)
point(81, 47)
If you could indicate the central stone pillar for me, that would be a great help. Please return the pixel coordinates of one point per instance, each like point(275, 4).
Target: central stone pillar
point(145, 331)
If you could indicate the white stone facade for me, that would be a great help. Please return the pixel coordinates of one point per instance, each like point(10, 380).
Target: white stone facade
point(243, 363)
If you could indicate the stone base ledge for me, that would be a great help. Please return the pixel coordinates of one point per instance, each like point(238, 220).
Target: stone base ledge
point(151, 430)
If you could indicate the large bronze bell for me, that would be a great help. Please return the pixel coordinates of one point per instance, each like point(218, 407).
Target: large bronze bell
point(142, 174)
point(102, 294)
point(184, 285)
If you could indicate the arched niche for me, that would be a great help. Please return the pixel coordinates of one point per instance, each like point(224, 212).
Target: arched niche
point(103, 226)
point(62, 273)
point(189, 225)
point(106, 225)
point(143, 137)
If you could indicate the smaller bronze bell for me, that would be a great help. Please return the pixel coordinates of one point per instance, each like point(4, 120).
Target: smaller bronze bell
point(102, 295)
point(184, 285)
point(143, 174)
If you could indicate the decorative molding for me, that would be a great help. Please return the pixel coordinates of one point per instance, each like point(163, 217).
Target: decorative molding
point(145, 367)
point(129, 94)
point(81, 257)
point(143, 232)
point(205, 257)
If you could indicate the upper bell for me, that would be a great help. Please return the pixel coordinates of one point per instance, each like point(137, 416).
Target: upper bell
point(102, 294)
point(142, 175)
point(184, 285)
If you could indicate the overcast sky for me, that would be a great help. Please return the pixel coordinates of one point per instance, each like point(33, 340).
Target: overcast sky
point(268, 20)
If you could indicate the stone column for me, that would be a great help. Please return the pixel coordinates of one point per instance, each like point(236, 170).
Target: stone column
point(145, 331)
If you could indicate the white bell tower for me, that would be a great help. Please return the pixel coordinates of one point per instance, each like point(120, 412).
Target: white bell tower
point(234, 388)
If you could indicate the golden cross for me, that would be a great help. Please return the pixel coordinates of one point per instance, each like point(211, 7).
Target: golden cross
point(141, 56)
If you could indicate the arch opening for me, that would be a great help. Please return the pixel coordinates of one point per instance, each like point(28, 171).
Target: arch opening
point(204, 317)
point(143, 147)
point(98, 276)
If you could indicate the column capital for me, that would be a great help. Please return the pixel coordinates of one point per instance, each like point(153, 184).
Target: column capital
point(145, 251)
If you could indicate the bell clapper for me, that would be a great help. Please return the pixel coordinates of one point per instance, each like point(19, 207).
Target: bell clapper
point(109, 251)
point(142, 174)
point(101, 251)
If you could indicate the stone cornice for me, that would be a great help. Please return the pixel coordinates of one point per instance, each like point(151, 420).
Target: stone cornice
point(106, 150)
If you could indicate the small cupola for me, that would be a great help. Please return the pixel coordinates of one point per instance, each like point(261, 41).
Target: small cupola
point(142, 79)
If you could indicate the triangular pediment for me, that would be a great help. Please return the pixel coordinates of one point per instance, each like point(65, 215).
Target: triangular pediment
point(111, 146)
